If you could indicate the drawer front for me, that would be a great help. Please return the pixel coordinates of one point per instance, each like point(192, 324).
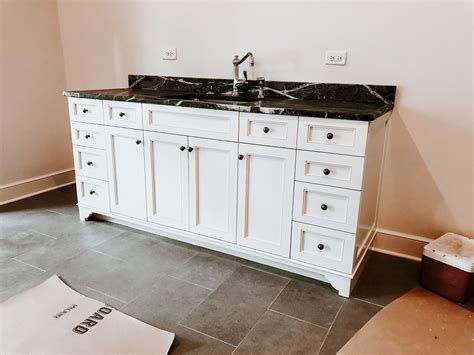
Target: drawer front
point(90, 162)
point(330, 169)
point(88, 135)
point(123, 114)
point(191, 121)
point(273, 130)
point(93, 193)
point(326, 206)
point(85, 110)
point(332, 136)
point(323, 247)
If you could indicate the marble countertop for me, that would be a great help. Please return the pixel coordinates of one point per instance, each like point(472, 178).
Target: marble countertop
point(336, 101)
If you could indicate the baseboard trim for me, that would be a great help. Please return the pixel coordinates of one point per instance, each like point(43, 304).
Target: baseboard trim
point(394, 253)
point(404, 235)
point(30, 187)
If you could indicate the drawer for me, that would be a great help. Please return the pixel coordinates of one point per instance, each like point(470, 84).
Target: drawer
point(326, 206)
point(85, 110)
point(274, 130)
point(90, 162)
point(330, 169)
point(332, 135)
point(195, 122)
point(123, 114)
point(323, 247)
point(93, 193)
point(88, 135)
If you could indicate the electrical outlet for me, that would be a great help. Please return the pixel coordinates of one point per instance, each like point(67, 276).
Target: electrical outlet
point(169, 54)
point(336, 57)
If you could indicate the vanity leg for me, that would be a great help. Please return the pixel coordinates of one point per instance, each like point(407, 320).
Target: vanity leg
point(84, 213)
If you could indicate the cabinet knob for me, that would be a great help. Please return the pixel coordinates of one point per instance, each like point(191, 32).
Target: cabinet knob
point(326, 171)
point(240, 157)
point(85, 110)
point(320, 246)
point(329, 135)
point(190, 149)
point(121, 114)
point(324, 207)
point(138, 141)
point(266, 129)
point(91, 192)
point(89, 163)
point(87, 136)
point(182, 148)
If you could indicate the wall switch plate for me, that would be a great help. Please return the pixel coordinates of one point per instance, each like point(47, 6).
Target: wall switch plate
point(169, 54)
point(336, 57)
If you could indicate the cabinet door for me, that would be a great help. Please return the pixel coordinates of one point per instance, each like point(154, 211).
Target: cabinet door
point(126, 171)
point(213, 188)
point(166, 164)
point(266, 178)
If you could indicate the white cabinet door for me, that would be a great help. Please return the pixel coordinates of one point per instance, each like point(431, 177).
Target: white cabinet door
point(213, 188)
point(166, 164)
point(126, 168)
point(266, 178)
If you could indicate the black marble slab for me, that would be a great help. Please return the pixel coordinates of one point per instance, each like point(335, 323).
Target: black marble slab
point(339, 101)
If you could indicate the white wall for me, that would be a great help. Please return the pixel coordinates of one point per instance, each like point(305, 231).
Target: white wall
point(425, 48)
point(34, 129)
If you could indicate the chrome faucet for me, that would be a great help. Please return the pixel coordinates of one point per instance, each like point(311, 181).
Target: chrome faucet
point(239, 82)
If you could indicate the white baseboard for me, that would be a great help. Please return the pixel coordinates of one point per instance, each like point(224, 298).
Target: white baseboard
point(399, 244)
point(33, 186)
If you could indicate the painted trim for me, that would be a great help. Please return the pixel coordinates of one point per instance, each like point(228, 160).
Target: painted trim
point(404, 235)
point(394, 253)
point(40, 177)
point(36, 193)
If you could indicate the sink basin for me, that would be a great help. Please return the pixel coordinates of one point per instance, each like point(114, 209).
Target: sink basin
point(213, 97)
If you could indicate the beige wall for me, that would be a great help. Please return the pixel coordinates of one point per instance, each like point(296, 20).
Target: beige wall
point(424, 48)
point(34, 129)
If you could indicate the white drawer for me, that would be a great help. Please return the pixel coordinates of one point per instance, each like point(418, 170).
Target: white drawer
point(90, 162)
point(330, 169)
point(88, 135)
point(93, 193)
point(323, 247)
point(191, 121)
point(274, 130)
point(325, 206)
point(123, 114)
point(85, 110)
point(332, 135)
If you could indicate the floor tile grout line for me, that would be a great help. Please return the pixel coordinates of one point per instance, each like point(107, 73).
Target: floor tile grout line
point(372, 303)
point(22, 262)
point(53, 211)
point(190, 283)
point(105, 294)
point(278, 295)
point(46, 235)
point(207, 335)
point(330, 327)
point(102, 253)
point(298, 319)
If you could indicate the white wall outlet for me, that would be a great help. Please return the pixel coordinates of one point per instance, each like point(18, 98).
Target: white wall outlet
point(169, 54)
point(336, 57)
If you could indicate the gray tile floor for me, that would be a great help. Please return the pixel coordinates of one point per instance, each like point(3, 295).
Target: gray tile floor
point(216, 304)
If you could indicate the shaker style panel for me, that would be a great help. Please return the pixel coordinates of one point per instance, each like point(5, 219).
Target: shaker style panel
point(85, 110)
point(88, 135)
point(325, 206)
point(93, 193)
point(266, 178)
point(213, 188)
point(123, 114)
point(196, 122)
point(273, 130)
point(90, 162)
point(332, 136)
point(166, 164)
point(322, 247)
point(330, 169)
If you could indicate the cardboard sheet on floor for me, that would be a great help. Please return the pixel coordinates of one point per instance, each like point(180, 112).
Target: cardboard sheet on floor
point(419, 322)
point(53, 318)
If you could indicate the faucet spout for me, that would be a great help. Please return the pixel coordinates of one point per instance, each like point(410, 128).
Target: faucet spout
point(236, 62)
